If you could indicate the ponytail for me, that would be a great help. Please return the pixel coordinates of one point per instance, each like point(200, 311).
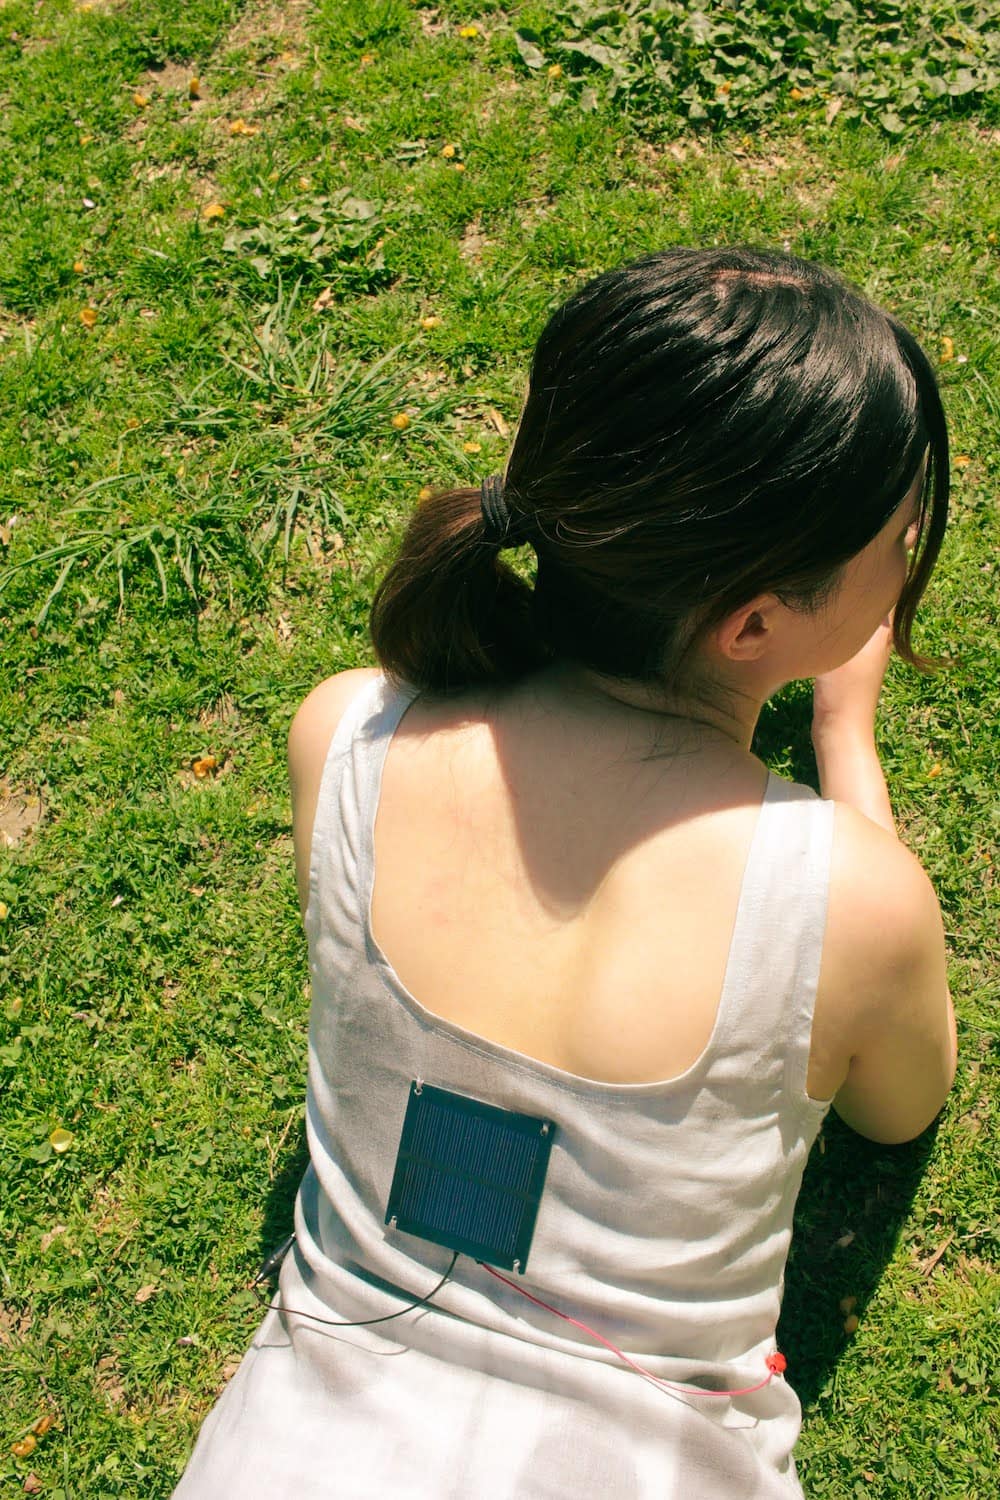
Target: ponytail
point(449, 613)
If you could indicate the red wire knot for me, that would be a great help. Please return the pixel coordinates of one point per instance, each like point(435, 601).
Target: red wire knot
point(776, 1363)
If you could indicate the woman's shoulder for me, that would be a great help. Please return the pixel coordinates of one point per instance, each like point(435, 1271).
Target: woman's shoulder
point(312, 730)
point(880, 1033)
point(317, 717)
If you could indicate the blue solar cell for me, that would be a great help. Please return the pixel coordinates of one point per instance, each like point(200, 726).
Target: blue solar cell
point(470, 1175)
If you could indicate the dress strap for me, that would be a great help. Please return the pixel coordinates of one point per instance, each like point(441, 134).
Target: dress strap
point(348, 792)
point(777, 946)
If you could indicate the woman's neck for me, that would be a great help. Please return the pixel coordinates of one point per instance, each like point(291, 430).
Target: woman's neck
point(726, 712)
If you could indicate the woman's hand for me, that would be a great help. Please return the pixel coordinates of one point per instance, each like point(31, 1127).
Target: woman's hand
point(847, 698)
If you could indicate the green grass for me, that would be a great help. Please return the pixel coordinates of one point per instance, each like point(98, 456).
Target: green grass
point(198, 492)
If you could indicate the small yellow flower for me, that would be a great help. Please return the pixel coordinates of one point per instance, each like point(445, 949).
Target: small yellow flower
point(796, 94)
point(460, 166)
point(85, 140)
point(401, 421)
point(367, 58)
point(555, 71)
point(133, 423)
point(425, 493)
point(962, 461)
point(947, 349)
point(934, 771)
point(448, 151)
point(240, 127)
point(88, 316)
point(25, 1447)
point(140, 100)
point(724, 89)
point(4, 911)
point(431, 322)
point(194, 88)
point(468, 32)
point(204, 765)
point(472, 447)
point(991, 238)
point(79, 267)
point(213, 211)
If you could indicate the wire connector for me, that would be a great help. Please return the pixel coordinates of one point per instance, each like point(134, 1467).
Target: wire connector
point(273, 1261)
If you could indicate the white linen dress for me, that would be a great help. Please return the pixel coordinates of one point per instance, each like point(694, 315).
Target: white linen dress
point(664, 1223)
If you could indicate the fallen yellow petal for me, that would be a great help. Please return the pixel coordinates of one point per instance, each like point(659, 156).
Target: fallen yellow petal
point(851, 1323)
point(41, 1427)
point(425, 493)
point(140, 100)
point(962, 461)
point(25, 1447)
point(933, 772)
point(947, 349)
point(213, 211)
point(240, 127)
point(204, 764)
point(401, 421)
point(194, 88)
point(85, 140)
point(367, 58)
point(88, 316)
point(79, 267)
point(448, 151)
point(430, 322)
point(472, 447)
point(60, 1140)
point(796, 94)
point(555, 71)
point(4, 911)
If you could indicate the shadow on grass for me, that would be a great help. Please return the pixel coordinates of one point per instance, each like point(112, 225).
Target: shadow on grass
point(853, 1191)
point(279, 1207)
point(855, 1195)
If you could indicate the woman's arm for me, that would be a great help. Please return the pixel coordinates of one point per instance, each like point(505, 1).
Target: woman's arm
point(845, 702)
point(884, 990)
point(884, 986)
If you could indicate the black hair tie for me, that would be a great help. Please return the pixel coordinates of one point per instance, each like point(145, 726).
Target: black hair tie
point(496, 516)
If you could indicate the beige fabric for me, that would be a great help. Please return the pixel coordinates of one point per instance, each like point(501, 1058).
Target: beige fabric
point(665, 1222)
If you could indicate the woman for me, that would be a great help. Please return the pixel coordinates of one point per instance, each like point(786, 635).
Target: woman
point(596, 908)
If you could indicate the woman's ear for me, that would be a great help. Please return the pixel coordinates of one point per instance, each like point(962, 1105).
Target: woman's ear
point(748, 633)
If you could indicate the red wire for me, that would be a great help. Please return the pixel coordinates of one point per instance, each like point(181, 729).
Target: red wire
point(775, 1362)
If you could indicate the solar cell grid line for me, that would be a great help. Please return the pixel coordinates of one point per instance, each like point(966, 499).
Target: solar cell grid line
point(468, 1170)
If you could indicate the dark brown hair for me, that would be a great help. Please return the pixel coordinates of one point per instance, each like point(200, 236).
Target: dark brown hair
point(701, 426)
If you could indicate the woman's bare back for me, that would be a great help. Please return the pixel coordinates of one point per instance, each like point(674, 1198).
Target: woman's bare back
point(542, 883)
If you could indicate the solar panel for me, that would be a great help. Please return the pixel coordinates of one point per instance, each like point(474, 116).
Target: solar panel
point(469, 1175)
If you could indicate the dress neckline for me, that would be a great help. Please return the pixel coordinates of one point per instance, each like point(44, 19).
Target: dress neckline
point(394, 705)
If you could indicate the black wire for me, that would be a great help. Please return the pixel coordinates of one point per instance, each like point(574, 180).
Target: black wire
point(360, 1322)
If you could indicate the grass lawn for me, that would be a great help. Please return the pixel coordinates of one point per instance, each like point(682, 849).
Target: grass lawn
point(265, 271)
